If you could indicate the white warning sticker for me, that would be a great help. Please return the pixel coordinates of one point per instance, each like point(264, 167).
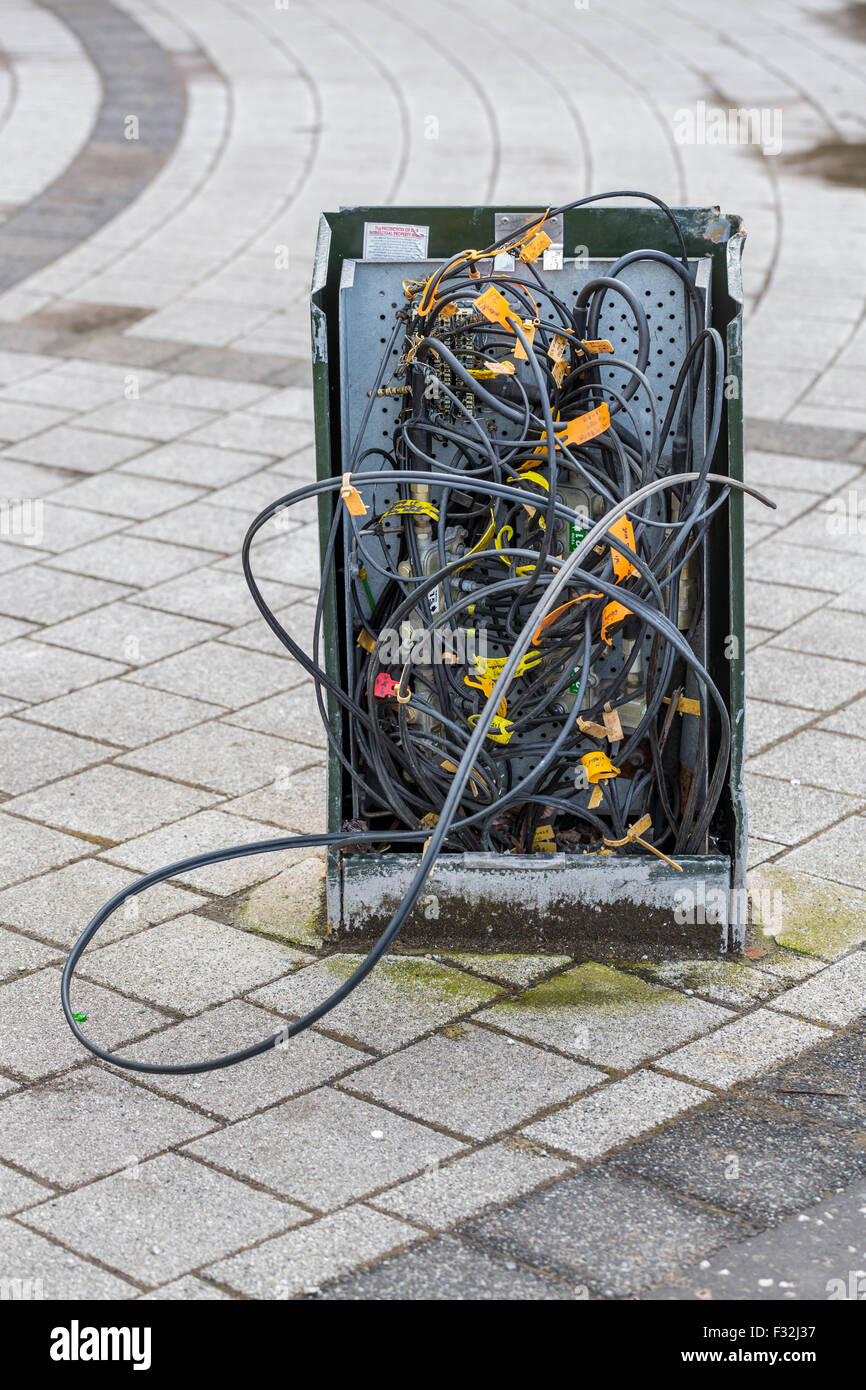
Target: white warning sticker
point(395, 241)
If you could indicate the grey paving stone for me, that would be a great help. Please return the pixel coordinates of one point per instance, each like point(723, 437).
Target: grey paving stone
point(218, 756)
point(21, 954)
point(243, 430)
point(772, 470)
point(605, 1015)
point(86, 451)
point(198, 464)
point(826, 760)
point(66, 527)
point(616, 1112)
point(724, 981)
point(198, 834)
point(20, 479)
point(787, 965)
point(239, 678)
point(293, 715)
point(142, 1225)
point(18, 421)
point(208, 393)
point(605, 1231)
point(777, 606)
point(447, 1269)
point(215, 595)
point(787, 814)
point(130, 560)
point(367, 1148)
point(110, 1123)
point(30, 756)
point(16, 366)
point(37, 1040)
point(297, 620)
point(186, 1290)
point(123, 712)
point(111, 802)
point(741, 1049)
point(312, 1254)
point(297, 1065)
point(812, 915)
point(464, 1187)
point(33, 671)
point(128, 632)
point(213, 528)
point(43, 595)
point(827, 1082)
point(190, 962)
point(851, 720)
point(816, 1255)
point(802, 679)
point(520, 970)
point(404, 997)
point(145, 418)
point(295, 801)
point(829, 633)
point(122, 494)
point(17, 1191)
point(292, 403)
point(59, 907)
point(50, 1272)
point(58, 386)
point(838, 853)
point(473, 1081)
point(835, 996)
point(767, 722)
point(27, 849)
point(760, 1163)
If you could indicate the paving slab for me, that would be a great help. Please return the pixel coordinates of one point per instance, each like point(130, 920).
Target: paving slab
point(110, 802)
point(47, 1271)
point(603, 1230)
point(760, 1162)
point(606, 1016)
point(473, 1081)
point(463, 1187)
point(312, 1254)
point(448, 1269)
point(297, 1064)
point(403, 998)
point(816, 1255)
point(615, 1113)
point(140, 1225)
point(741, 1049)
point(36, 1039)
point(74, 1128)
point(190, 962)
point(325, 1148)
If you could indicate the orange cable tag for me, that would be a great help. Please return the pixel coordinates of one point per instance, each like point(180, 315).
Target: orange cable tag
point(494, 306)
point(352, 497)
point(614, 614)
point(551, 618)
point(529, 329)
point(624, 531)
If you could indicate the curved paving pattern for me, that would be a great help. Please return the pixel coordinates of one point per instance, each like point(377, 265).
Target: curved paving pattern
point(510, 1127)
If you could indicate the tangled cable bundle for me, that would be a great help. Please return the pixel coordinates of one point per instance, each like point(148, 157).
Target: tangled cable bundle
point(523, 671)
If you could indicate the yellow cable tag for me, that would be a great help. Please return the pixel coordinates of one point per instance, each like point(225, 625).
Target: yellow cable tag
point(529, 329)
point(534, 248)
point(498, 368)
point(410, 506)
point(558, 348)
point(597, 345)
point(598, 766)
point(500, 730)
point(544, 840)
point(685, 705)
point(352, 497)
point(366, 641)
point(561, 370)
point(636, 833)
